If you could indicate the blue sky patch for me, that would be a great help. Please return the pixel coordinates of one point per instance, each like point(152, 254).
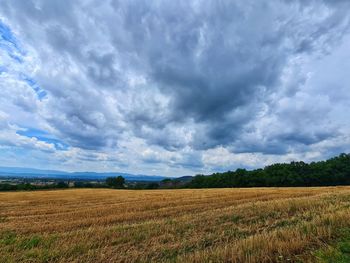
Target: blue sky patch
point(2, 69)
point(15, 57)
point(7, 37)
point(32, 83)
point(43, 136)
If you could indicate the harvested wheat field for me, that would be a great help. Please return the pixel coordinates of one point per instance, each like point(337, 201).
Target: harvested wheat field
point(211, 225)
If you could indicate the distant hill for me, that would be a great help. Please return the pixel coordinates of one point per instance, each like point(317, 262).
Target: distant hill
point(54, 174)
point(21, 170)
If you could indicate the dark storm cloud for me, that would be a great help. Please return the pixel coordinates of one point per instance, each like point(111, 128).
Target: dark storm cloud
point(209, 59)
point(218, 57)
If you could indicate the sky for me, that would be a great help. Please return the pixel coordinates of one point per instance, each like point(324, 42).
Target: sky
point(173, 87)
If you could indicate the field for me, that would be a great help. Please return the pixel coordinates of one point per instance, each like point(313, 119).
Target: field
point(204, 225)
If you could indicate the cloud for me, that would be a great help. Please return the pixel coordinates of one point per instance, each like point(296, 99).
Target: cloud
point(9, 137)
point(171, 83)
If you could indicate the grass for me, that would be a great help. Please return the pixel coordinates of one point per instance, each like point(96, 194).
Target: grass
point(338, 251)
point(203, 225)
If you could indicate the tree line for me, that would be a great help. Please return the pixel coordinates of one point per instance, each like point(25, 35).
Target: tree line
point(30, 187)
point(335, 171)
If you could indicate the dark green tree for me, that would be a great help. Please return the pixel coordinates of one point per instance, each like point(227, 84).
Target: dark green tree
point(115, 182)
point(62, 184)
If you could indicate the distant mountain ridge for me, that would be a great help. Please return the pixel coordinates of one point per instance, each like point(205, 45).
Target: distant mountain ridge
point(55, 174)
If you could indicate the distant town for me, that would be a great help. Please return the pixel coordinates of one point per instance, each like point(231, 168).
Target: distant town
point(15, 178)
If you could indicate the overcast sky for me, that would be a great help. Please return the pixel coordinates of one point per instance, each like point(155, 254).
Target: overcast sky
point(173, 87)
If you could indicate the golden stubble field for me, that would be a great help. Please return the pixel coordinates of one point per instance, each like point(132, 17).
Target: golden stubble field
point(204, 225)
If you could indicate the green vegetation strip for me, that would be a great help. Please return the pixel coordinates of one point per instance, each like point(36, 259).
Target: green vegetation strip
point(338, 252)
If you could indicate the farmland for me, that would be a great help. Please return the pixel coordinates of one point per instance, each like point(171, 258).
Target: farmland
point(203, 225)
